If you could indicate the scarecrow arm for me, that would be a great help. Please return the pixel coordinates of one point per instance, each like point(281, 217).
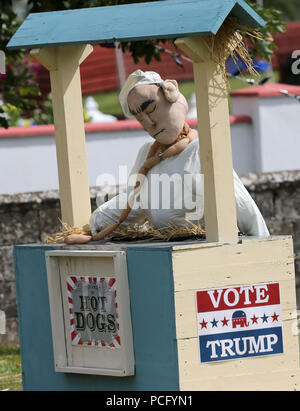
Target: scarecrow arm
point(249, 218)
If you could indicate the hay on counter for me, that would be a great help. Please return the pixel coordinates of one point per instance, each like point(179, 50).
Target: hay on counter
point(147, 231)
point(142, 232)
point(66, 230)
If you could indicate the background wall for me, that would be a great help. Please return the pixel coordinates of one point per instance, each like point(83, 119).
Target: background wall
point(24, 150)
point(264, 134)
point(30, 217)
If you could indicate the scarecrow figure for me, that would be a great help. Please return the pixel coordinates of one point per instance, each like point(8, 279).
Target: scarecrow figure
point(161, 109)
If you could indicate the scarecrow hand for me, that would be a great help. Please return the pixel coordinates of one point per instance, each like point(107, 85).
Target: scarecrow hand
point(78, 239)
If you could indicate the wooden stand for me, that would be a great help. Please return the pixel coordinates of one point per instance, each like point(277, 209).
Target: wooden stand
point(165, 280)
point(210, 266)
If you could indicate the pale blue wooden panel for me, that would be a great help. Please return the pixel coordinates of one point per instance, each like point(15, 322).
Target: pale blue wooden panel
point(151, 287)
point(161, 19)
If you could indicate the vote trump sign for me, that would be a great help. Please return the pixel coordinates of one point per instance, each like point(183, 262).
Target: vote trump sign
point(93, 311)
point(238, 322)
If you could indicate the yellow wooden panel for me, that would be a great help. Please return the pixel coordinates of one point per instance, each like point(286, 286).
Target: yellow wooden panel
point(252, 262)
point(63, 63)
point(232, 264)
point(190, 368)
point(215, 142)
point(287, 380)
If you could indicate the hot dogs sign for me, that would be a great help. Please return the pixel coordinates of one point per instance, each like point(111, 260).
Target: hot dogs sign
point(93, 311)
point(239, 322)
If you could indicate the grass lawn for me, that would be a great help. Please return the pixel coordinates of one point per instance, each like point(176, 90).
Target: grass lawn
point(10, 368)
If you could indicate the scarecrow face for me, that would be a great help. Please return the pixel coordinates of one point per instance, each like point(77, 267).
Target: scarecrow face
point(161, 113)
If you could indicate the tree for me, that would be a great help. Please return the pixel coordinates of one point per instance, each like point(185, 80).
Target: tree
point(17, 86)
point(274, 24)
point(290, 9)
point(18, 89)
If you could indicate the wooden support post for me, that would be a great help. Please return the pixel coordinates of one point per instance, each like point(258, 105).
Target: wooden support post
point(63, 63)
point(215, 142)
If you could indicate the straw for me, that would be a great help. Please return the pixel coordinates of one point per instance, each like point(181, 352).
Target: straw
point(145, 231)
point(229, 41)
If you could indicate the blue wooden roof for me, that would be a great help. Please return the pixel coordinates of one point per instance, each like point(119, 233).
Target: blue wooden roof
point(131, 22)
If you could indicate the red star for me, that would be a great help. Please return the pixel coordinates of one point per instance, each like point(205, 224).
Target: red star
point(225, 321)
point(203, 324)
point(275, 317)
point(254, 319)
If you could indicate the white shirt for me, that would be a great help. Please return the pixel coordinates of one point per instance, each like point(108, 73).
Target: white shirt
point(162, 203)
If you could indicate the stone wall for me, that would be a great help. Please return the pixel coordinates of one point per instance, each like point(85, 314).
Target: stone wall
point(30, 217)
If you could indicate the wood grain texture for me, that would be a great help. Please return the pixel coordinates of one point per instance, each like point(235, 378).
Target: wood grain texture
point(85, 359)
point(161, 19)
point(252, 262)
point(215, 142)
point(63, 63)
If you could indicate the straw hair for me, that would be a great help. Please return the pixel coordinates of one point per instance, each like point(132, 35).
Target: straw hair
point(229, 41)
